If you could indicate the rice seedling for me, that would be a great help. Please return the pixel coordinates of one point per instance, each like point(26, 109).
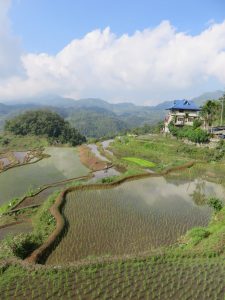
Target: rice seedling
point(140, 162)
point(124, 221)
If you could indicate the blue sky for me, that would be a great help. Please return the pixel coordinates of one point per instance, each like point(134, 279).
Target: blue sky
point(143, 52)
point(48, 25)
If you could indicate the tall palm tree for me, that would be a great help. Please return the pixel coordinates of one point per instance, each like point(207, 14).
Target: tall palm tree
point(210, 112)
point(222, 99)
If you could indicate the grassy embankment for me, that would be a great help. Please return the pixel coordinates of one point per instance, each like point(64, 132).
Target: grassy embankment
point(6, 207)
point(10, 142)
point(159, 153)
point(23, 244)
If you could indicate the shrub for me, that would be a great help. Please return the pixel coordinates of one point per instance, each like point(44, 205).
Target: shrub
point(22, 245)
point(215, 203)
point(108, 179)
point(196, 135)
point(197, 123)
point(219, 151)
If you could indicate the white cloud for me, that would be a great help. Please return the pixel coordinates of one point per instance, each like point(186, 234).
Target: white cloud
point(10, 51)
point(146, 67)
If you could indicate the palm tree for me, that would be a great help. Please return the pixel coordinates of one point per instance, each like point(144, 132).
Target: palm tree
point(209, 112)
point(222, 109)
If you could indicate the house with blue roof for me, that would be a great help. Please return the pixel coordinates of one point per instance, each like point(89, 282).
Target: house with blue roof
point(182, 112)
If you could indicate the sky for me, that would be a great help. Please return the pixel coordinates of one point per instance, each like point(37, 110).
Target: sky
point(143, 52)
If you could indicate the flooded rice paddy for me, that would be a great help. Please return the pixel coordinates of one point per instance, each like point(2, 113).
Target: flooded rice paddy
point(64, 163)
point(135, 217)
point(15, 157)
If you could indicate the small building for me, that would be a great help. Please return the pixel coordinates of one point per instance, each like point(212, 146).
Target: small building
point(182, 112)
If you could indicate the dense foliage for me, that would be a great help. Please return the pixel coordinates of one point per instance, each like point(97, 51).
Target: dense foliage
point(148, 128)
point(210, 111)
point(97, 123)
point(196, 135)
point(44, 123)
point(215, 203)
point(213, 112)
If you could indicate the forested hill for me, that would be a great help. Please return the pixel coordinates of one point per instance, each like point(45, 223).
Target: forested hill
point(97, 122)
point(96, 117)
point(45, 123)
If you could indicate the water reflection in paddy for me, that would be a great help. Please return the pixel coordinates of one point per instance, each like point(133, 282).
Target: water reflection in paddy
point(20, 156)
point(64, 163)
point(133, 217)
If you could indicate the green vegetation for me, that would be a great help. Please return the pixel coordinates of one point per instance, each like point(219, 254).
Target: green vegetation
point(164, 152)
point(44, 123)
point(109, 179)
point(196, 235)
point(7, 206)
point(43, 221)
point(208, 241)
point(97, 123)
point(196, 135)
point(148, 128)
point(215, 203)
point(140, 162)
point(213, 113)
point(155, 277)
point(21, 143)
point(22, 245)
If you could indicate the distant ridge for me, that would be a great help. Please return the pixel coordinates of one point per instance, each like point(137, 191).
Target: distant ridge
point(95, 117)
point(208, 96)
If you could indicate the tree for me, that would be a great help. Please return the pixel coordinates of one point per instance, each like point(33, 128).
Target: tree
point(45, 123)
point(210, 111)
point(222, 99)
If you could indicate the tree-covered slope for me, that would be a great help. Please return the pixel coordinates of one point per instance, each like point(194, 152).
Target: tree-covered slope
point(96, 122)
point(44, 123)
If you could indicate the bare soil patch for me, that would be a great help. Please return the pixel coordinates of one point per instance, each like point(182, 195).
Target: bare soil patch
point(90, 160)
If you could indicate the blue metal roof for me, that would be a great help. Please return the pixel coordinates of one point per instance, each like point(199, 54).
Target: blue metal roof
point(184, 105)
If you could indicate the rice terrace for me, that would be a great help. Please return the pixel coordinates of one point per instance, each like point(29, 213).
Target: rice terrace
point(112, 150)
point(134, 235)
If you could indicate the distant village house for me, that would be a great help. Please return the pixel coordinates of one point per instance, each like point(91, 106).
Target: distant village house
point(182, 112)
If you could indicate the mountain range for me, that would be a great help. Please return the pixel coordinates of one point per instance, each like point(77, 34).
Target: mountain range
point(96, 117)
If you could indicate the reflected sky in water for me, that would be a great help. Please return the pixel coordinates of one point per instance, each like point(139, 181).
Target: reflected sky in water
point(160, 190)
point(64, 163)
point(136, 216)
